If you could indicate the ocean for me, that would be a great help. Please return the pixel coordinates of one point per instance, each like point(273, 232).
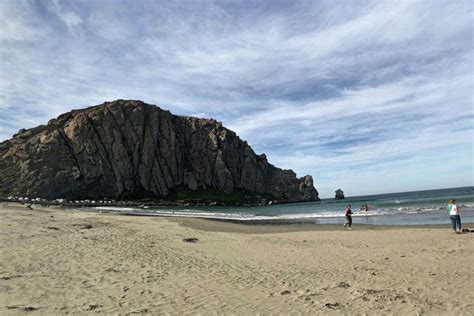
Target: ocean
point(427, 207)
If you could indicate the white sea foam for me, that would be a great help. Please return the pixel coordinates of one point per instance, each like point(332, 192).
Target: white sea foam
point(245, 216)
point(116, 208)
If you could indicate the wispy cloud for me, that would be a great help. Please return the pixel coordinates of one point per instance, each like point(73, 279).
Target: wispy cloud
point(68, 17)
point(342, 90)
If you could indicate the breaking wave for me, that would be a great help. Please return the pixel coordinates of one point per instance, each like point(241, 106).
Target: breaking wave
point(249, 216)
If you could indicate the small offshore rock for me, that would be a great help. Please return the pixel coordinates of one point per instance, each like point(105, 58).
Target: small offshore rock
point(339, 194)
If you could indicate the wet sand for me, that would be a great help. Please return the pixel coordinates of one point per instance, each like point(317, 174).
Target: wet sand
point(63, 261)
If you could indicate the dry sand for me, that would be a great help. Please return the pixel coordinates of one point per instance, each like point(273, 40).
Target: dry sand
point(57, 262)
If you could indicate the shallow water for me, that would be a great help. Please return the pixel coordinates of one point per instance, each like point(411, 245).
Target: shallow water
point(408, 208)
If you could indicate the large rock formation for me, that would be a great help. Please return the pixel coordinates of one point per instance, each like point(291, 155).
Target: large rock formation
point(129, 149)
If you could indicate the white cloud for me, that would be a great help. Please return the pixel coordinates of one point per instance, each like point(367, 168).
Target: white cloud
point(70, 18)
point(17, 22)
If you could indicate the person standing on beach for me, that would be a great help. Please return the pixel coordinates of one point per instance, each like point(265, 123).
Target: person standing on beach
point(348, 214)
point(454, 216)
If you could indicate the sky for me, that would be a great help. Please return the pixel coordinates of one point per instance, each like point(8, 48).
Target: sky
point(366, 96)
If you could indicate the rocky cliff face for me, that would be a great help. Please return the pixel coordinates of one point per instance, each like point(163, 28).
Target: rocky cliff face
point(129, 149)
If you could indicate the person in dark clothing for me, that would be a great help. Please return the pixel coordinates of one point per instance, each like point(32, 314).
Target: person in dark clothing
point(348, 214)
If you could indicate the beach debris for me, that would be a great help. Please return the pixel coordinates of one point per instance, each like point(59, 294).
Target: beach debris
point(343, 285)
point(372, 291)
point(380, 296)
point(93, 307)
point(84, 226)
point(26, 308)
point(141, 311)
point(333, 305)
point(285, 292)
point(8, 277)
point(52, 228)
point(29, 308)
point(192, 240)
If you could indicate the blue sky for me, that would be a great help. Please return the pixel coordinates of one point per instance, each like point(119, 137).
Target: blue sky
point(367, 96)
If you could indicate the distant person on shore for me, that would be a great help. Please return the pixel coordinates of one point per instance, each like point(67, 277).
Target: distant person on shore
point(454, 216)
point(348, 214)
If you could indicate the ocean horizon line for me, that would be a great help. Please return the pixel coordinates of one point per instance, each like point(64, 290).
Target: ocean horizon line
point(400, 192)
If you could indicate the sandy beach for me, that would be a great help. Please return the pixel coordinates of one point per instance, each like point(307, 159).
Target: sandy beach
point(69, 262)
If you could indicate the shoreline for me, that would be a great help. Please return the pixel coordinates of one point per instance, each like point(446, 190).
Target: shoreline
point(231, 225)
point(250, 228)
